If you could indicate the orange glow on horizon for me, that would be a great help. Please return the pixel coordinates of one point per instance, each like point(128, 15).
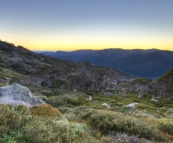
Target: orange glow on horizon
point(95, 43)
point(68, 47)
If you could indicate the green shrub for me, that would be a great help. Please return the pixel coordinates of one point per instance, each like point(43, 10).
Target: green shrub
point(146, 107)
point(74, 114)
point(166, 127)
point(18, 124)
point(7, 139)
point(9, 119)
point(168, 113)
point(56, 101)
point(22, 109)
point(40, 130)
point(73, 101)
point(79, 101)
point(107, 121)
point(82, 100)
point(170, 110)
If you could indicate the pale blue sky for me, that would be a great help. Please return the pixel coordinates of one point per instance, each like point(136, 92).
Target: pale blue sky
point(81, 24)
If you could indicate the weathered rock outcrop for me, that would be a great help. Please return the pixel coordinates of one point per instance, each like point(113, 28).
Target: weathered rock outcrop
point(106, 105)
point(17, 94)
point(132, 105)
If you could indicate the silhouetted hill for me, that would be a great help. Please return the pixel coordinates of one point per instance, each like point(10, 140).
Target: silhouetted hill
point(25, 61)
point(144, 63)
point(40, 70)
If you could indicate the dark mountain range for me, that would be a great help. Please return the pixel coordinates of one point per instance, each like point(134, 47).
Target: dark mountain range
point(31, 69)
point(150, 63)
point(40, 70)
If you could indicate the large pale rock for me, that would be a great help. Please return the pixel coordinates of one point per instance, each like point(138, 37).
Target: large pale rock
point(17, 94)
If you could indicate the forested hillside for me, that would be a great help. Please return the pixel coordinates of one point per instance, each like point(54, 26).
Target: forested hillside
point(143, 63)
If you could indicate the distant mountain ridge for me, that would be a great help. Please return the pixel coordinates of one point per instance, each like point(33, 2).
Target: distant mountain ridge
point(150, 63)
point(32, 69)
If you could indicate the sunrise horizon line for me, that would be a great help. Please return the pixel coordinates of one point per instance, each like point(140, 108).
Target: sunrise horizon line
point(67, 49)
point(101, 49)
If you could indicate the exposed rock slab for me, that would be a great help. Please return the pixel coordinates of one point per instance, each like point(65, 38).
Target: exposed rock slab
point(154, 100)
point(106, 105)
point(17, 94)
point(132, 105)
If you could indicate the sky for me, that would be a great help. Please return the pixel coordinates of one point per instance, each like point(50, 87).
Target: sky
point(87, 24)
